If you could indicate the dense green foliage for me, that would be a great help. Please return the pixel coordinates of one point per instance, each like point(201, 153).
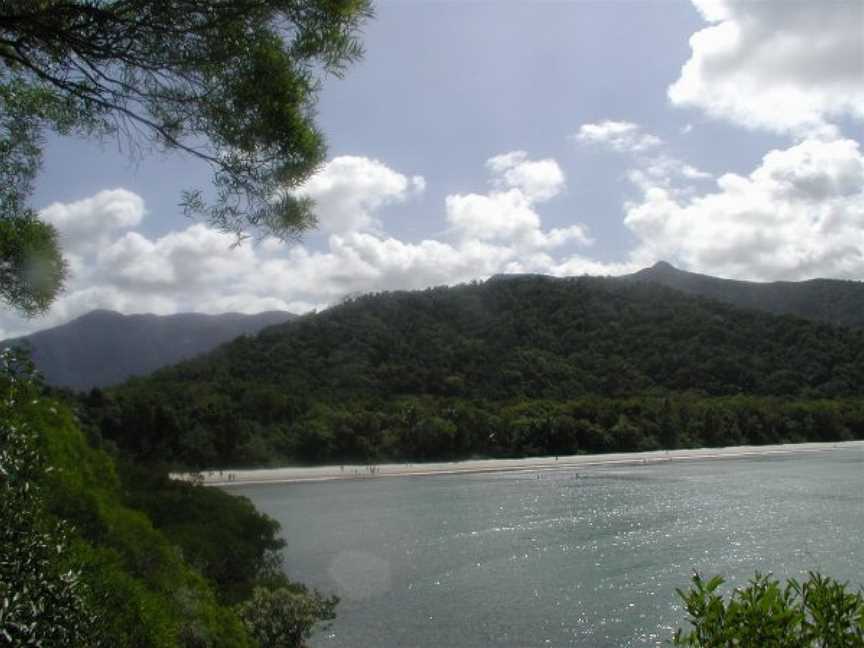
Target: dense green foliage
point(426, 428)
point(42, 597)
point(819, 612)
point(833, 301)
point(223, 536)
point(232, 83)
point(145, 593)
point(511, 367)
point(539, 338)
point(93, 556)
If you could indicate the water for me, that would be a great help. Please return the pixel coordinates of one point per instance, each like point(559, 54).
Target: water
point(572, 558)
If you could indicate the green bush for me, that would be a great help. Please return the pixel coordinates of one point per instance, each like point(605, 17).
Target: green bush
point(818, 612)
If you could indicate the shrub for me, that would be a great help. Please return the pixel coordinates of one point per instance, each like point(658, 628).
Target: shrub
point(817, 612)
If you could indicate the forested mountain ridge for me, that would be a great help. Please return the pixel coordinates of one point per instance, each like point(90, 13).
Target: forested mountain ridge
point(104, 348)
point(539, 337)
point(385, 376)
point(832, 301)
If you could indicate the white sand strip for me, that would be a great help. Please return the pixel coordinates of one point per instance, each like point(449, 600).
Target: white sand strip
point(231, 477)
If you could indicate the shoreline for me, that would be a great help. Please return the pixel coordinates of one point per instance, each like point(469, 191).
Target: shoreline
point(290, 475)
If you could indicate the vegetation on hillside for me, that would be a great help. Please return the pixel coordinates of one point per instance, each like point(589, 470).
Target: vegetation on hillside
point(92, 555)
point(511, 367)
point(833, 301)
point(43, 600)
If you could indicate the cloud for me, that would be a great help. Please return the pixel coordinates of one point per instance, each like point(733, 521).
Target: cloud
point(665, 171)
point(623, 137)
point(507, 214)
point(507, 217)
point(652, 164)
point(799, 214)
point(349, 189)
point(537, 180)
point(786, 67)
point(187, 260)
point(201, 269)
point(85, 225)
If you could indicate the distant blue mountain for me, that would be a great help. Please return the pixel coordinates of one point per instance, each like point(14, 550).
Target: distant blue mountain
point(104, 348)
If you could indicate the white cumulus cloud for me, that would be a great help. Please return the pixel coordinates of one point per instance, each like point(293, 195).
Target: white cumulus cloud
point(85, 225)
point(537, 180)
point(349, 189)
point(507, 214)
point(784, 66)
point(799, 214)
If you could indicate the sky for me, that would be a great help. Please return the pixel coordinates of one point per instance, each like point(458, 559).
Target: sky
point(475, 138)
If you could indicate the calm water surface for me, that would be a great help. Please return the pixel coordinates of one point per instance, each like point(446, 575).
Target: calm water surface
point(587, 557)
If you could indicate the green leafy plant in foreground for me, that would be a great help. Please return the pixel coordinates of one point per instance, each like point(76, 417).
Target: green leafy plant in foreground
point(42, 597)
point(817, 612)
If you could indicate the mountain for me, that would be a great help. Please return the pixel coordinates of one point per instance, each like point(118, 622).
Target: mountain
point(537, 336)
point(104, 348)
point(823, 300)
point(400, 364)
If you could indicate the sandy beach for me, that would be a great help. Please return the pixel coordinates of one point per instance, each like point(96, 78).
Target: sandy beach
point(227, 478)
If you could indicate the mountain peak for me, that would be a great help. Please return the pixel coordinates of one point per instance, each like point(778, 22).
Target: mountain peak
point(824, 300)
point(663, 266)
point(100, 313)
point(660, 270)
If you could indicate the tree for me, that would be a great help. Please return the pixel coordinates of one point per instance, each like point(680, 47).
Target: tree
point(31, 267)
point(230, 82)
point(285, 617)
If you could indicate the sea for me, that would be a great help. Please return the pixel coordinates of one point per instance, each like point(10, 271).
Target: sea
point(589, 557)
